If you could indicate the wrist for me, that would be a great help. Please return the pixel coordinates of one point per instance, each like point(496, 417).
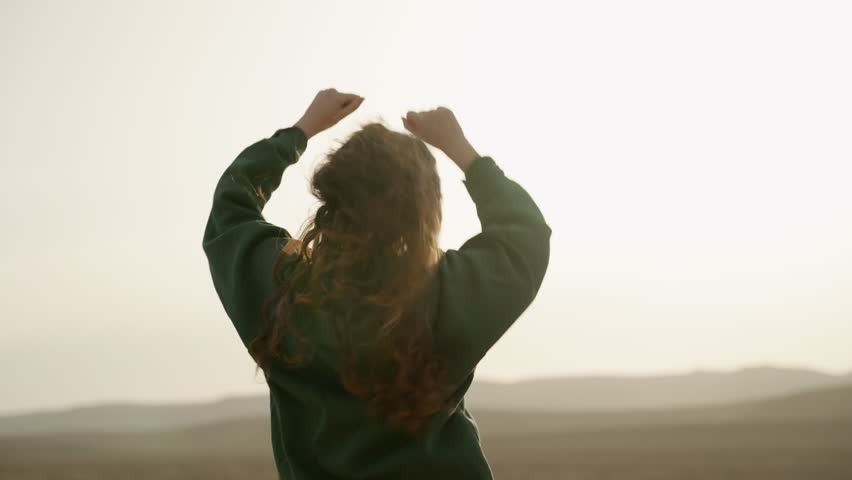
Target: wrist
point(306, 127)
point(462, 155)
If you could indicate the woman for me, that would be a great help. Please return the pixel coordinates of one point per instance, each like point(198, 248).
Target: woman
point(367, 333)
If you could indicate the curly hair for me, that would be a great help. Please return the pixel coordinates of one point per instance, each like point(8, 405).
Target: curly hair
point(369, 253)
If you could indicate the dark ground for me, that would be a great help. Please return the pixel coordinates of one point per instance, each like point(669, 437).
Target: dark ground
point(744, 450)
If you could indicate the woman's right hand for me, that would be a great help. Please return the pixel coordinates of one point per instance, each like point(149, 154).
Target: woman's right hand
point(441, 129)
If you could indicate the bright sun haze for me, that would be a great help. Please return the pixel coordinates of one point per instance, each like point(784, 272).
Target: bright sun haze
point(693, 161)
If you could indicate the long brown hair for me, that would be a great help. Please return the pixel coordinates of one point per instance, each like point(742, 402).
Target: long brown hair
point(370, 252)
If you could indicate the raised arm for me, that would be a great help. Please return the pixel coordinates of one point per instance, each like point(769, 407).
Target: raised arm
point(487, 283)
point(240, 245)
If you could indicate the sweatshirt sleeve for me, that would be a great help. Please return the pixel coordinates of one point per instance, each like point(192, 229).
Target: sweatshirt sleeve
point(487, 283)
point(240, 245)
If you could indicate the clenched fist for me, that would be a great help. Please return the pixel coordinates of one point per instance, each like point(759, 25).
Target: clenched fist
point(328, 107)
point(441, 129)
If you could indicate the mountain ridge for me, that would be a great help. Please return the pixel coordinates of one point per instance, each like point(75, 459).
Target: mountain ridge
point(795, 421)
point(702, 388)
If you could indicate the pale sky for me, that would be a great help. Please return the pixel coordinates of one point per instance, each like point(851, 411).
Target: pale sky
point(693, 159)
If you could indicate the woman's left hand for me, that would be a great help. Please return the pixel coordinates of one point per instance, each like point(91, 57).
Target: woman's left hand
point(328, 107)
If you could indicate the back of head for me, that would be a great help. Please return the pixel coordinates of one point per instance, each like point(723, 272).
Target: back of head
point(371, 246)
point(380, 195)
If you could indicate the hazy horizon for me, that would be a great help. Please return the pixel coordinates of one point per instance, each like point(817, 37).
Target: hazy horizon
point(692, 160)
point(223, 396)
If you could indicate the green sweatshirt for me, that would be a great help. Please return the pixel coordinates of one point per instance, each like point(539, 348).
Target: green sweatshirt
point(320, 431)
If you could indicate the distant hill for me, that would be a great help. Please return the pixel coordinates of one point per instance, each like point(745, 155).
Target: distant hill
point(831, 405)
point(701, 388)
point(134, 417)
point(828, 404)
point(607, 395)
point(812, 420)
